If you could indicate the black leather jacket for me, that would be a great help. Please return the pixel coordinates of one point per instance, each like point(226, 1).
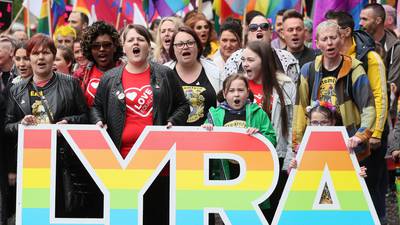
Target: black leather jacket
point(169, 102)
point(63, 94)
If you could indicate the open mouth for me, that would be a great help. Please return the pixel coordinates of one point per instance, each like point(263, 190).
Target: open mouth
point(330, 50)
point(41, 64)
point(136, 51)
point(236, 101)
point(186, 53)
point(259, 35)
point(295, 40)
point(167, 40)
point(102, 57)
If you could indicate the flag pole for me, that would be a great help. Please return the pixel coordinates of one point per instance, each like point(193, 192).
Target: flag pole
point(304, 8)
point(243, 23)
point(28, 20)
point(49, 18)
point(119, 14)
point(199, 6)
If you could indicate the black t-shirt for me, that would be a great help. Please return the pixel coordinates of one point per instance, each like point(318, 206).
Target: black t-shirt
point(305, 56)
point(201, 96)
point(38, 109)
point(327, 91)
point(235, 120)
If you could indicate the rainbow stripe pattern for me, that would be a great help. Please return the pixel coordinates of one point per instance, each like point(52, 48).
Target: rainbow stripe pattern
point(323, 158)
point(124, 181)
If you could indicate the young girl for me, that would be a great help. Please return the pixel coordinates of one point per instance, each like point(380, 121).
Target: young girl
point(322, 113)
point(236, 110)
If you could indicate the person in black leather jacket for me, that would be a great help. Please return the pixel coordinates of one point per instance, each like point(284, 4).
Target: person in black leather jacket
point(63, 103)
point(136, 95)
point(169, 105)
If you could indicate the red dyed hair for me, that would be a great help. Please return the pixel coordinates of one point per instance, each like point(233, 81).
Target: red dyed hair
point(38, 41)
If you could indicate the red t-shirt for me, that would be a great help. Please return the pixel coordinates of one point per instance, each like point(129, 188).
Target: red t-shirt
point(258, 93)
point(139, 107)
point(94, 79)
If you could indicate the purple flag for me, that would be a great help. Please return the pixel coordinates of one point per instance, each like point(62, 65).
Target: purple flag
point(354, 7)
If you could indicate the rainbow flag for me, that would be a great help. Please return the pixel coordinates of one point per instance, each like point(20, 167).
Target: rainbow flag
point(57, 14)
point(82, 6)
point(43, 20)
point(163, 7)
point(223, 10)
point(275, 6)
point(354, 7)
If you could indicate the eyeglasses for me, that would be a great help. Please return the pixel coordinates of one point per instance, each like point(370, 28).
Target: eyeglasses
point(189, 44)
point(98, 45)
point(320, 123)
point(263, 26)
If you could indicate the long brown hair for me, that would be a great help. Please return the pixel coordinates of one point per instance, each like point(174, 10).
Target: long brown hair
point(269, 80)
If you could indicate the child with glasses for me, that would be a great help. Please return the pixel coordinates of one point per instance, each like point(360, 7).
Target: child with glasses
point(322, 113)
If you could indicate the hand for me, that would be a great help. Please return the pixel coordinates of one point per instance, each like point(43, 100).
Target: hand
point(363, 172)
point(293, 164)
point(393, 87)
point(169, 125)
point(62, 122)
point(100, 124)
point(208, 127)
point(374, 143)
point(29, 120)
point(251, 131)
point(353, 142)
point(12, 179)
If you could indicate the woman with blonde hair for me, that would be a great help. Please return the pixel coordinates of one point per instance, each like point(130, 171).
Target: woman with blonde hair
point(166, 29)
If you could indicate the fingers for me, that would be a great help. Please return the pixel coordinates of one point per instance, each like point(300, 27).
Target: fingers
point(251, 131)
point(169, 125)
point(100, 124)
point(29, 120)
point(208, 127)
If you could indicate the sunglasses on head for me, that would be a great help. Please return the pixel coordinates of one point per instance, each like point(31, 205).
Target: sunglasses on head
point(262, 26)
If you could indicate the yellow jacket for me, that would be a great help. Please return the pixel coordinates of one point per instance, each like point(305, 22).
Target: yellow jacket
point(377, 78)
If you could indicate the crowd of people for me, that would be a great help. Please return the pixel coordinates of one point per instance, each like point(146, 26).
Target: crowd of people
point(182, 72)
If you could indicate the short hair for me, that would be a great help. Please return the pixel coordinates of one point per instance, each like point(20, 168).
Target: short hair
point(234, 26)
point(377, 9)
point(343, 18)
point(66, 53)
point(64, 31)
point(326, 24)
point(191, 32)
point(292, 14)
point(40, 40)
point(250, 16)
point(9, 39)
point(84, 17)
point(390, 11)
point(281, 12)
point(99, 28)
point(20, 45)
point(140, 29)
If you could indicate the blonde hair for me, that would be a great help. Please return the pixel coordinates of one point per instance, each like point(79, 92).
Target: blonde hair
point(159, 47)
point(66, 30)
point(325, 24)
